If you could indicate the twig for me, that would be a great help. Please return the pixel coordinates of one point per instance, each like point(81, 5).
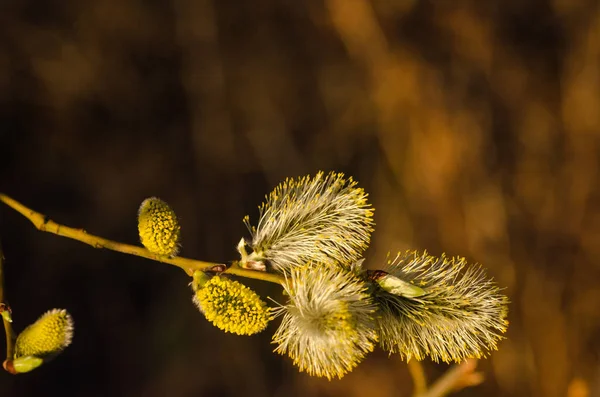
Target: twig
point(43, 223)
point(455, 379)
point(8, 330)
point(418, 375)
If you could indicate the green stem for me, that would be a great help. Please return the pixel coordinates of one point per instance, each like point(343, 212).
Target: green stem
point(43, 223)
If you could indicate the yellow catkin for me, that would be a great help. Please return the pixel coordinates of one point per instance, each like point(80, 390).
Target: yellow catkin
point(460, 314)
point(158, 227)
point(49, 335)
point(328, 324)
point(232, 307)
point(310, 219)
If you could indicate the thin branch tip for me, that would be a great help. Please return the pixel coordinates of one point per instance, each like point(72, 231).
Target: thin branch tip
point(189, 266)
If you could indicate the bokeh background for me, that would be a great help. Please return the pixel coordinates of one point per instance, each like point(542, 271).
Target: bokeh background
point(474, 126)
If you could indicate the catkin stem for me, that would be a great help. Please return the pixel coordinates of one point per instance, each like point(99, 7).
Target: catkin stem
point(43, 223)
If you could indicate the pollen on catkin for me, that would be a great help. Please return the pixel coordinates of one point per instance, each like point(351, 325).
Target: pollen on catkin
point(311, 219)
point(158, 227)
point(232, 306)
point(328, 324)
point(461, 313)
point(48, 336)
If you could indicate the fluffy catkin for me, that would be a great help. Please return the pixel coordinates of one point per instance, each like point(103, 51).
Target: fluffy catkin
point(461, 313)
point(328, 323)
point(311, 219)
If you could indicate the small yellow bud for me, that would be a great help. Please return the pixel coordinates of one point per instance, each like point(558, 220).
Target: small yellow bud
point(48, 336)
point(232, 307)
point(158, 227)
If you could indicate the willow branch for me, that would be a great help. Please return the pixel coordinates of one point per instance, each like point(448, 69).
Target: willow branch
point(8, 330)
point(45, 224)
point(455, 379)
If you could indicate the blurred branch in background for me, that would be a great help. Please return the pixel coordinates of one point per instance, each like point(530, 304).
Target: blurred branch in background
point(455, 379)
point(458, 377)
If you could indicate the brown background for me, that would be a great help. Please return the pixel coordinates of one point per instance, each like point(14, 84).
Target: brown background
point(474, 126)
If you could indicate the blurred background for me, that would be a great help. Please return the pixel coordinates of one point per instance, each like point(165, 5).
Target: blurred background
point(474, 126)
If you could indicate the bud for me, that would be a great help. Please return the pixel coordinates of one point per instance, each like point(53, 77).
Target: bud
point(45, 338)
point(23, 364)
point(199, 279)
point(5, 312)
point(230, 305)
point(395, 285)
point(318, 219)
point(158, 227)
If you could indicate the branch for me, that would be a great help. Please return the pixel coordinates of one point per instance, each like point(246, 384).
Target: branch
point(45, 224)
point(455, 379)
point(4, 309)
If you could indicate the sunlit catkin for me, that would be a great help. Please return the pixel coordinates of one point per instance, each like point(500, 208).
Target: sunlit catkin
point(158, 227)
point(48, 336)
point(453, 312)
point(310, 219)
point(328, 323)
point(231, 306)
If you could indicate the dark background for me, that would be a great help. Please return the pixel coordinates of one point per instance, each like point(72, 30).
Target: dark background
point(473, 125)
